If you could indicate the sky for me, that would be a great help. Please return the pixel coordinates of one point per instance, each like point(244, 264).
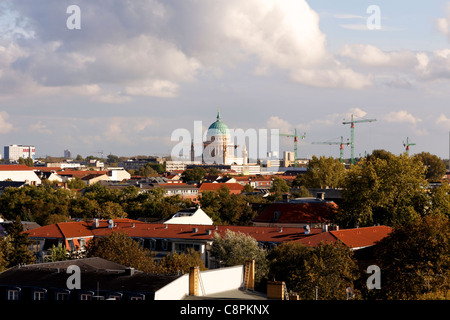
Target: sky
point(119, 77)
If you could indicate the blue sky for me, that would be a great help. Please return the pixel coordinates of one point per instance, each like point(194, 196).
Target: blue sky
point(138, 70)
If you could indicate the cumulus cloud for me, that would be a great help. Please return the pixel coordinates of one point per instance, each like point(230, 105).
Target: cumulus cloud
point(401, 116)
point(443, 121)
point(150, 48)
point(371, 55)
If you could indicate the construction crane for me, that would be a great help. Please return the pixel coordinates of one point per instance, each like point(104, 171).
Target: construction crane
point(295, 136)
point(407, 144)
point(352, 131)
point(99, 152)
point(341, 146)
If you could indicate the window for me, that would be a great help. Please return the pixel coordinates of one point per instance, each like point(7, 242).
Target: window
point(183, 247)
point(62, 296)
point(165, 245)
point(86, 296)
point(13, 294)
point(136, 298)
point(38, 295)
point(82, 243)
point(71, 245)
point(152, 244)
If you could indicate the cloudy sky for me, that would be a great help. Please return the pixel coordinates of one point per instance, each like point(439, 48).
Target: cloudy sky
point(137, 70)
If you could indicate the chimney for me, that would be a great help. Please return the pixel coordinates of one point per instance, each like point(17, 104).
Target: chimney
point(194, 230)
point(321, 195)
point(129, 271)
point(286, 197)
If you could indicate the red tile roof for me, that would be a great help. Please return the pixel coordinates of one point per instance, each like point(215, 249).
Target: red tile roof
point(210, 186)
point(352, 238)
point(138, 229)
point(15, 167)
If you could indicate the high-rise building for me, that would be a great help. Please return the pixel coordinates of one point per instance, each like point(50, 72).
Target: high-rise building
point(67, 154)
point(14, 152)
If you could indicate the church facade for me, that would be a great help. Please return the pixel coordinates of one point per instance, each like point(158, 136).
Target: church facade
point(220, 148)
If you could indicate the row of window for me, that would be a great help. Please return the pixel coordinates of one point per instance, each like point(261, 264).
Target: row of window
point(15, 294)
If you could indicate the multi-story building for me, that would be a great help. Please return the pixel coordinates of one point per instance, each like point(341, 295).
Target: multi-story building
point(14, 152)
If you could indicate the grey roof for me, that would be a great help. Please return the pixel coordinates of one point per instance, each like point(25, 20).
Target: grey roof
point(96, 273)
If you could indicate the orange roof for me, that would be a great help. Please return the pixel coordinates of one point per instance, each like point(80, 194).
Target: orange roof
point(137, 229)
point(210, 186)
point(352, 238)
point(15, 167)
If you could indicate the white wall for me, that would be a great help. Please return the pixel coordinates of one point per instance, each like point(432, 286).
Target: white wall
point(214, 281)
point(223, 279)
point(20, 176)
point(176, 290)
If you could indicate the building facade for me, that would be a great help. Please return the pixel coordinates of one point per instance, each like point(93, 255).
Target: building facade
point(14, 152)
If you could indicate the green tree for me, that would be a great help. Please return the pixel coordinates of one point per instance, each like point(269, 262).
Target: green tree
point(26, 161)
point(19, 244)
point(434, 166)
point(321, 172)
point(76, 183)
point(111, 210)
point(180, 262)
point(226, 208)
point(235, 248)
point(386, 191)
point(329, 267)
point(120, 248)
point(194, 174)
point(57, 253)
point(415, 259)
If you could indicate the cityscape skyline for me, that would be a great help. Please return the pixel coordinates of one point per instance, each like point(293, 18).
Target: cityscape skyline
point(134, 73)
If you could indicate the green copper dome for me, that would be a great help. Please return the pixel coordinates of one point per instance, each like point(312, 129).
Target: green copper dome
point(218, 127)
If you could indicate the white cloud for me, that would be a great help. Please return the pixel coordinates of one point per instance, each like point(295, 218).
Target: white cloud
point(371, 55)
point(443, 121)
point(39, 127)
point(5, 126)
point(401, 116)
point(276, 122)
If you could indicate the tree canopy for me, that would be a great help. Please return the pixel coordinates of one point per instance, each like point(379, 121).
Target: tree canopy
point(321, 173)
point(387, 190)
point(415, 259)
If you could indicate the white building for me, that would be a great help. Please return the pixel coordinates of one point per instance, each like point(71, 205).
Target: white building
point(19, 173)
point(190, 216)
point(14, 152)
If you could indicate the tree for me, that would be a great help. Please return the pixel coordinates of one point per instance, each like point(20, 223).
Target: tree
point(110, 158)
point(57, 253)
point(329, 267)
point(26, 161)
point(415, 259)
point(435, 167)
point(235, 248)
point(226, 208)
point(321, 172)
point(194, 174)
point(19, 252)
point(180, 262)
point(76, 183)
point(386, 191)
point(111, 210)
point(120, 248)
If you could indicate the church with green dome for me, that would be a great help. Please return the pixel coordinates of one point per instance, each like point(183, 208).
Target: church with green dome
point(219, 147)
